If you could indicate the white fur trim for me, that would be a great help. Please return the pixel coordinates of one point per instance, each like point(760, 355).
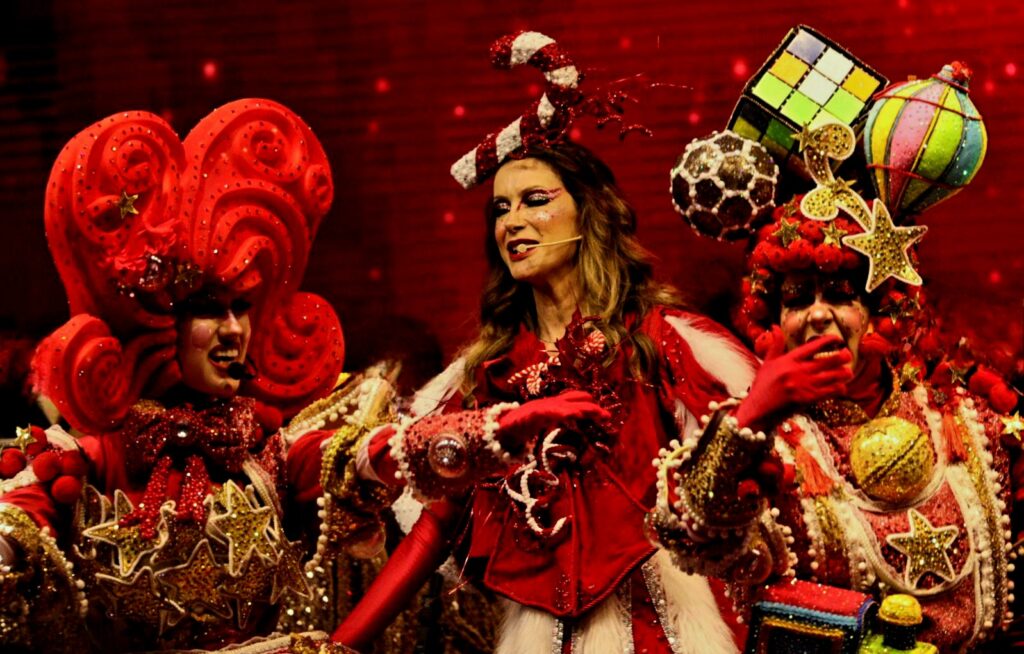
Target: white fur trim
point(693, 611)
point(607, 629)
point(525, 630)
point(719, 357)
point(509, 139)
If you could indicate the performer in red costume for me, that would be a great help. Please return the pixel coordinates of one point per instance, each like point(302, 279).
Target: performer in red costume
point(533, 451)
point(163, 526)
point(898, 485)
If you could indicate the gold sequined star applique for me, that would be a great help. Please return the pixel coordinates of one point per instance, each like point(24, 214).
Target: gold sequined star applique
point(126, 204)
point(1013, 425)
point(23, 437)
point(787, 232)
point(757, 281)
point(834, 234)
point(194, 584)
point(289, 574)
point(909, 375)
point(925, 548)
point(182, 535)
point(136, 598)
point(885, 246)
point(254, 584)
point(245, 527)
point(957, 375)
point(130, 544)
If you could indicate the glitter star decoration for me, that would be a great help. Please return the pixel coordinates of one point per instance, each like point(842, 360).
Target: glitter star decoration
point(289, 576)
point(833, 234)
point(130, 544)
point(787, 232)
point(136, 598)
point(23, 437)
point(254, 584)
point(126, 204)
point(886, 247)
point(245, 527)
point(182, 535)
point(1013, 425)
point(194, 584)
point(925, 547)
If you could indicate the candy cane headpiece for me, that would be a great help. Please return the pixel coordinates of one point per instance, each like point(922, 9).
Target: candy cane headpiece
point(546, 119)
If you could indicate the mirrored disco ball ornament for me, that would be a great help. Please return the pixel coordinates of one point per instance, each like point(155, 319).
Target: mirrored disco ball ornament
point(723, 184)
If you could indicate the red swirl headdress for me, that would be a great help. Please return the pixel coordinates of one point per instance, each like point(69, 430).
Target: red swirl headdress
point(138, 220)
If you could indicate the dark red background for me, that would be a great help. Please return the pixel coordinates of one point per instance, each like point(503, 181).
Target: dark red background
point(398, 89)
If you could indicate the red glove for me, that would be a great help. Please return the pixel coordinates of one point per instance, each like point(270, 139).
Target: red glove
point(517, 426)
point(408, 568)
point(790, 379)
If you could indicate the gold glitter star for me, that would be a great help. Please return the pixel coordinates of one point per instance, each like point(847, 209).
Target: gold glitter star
point(1013, 425)
point(288, 574)
point(23, 437)
point(908, 375)
point(834, 234)
point(787, 232)
point(757, 281)
point(181, 537)
point(886, 247)
point(244, 526)
point(194, 584)
point(136, 598)
point(253, 584)
point(126, 204)
point(958, 376)
point(925, 548)
point(130, 544)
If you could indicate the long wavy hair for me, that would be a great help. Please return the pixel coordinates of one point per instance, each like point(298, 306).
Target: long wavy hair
point(615, 272)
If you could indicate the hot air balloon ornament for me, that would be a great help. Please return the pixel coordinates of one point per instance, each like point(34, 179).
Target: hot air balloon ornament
point(924, 141)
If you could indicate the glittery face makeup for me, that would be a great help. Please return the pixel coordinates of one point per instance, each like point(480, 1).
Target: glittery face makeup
point(213, 335)
point(531, 207)
point(814, 306)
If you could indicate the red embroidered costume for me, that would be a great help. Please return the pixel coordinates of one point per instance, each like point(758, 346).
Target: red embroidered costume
point(165, 526)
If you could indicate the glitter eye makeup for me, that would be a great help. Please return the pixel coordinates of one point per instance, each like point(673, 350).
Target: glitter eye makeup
point(809, 80)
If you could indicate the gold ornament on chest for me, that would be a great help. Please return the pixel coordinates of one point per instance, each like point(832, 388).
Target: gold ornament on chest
point(892, 460)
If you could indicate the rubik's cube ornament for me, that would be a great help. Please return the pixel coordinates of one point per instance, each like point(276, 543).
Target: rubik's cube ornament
point(800, 617)
point(809, 80)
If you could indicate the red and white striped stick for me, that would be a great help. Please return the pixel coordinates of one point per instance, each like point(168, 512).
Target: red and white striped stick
point(543, 53)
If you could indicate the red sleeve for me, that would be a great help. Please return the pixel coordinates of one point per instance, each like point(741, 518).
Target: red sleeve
point(700, 361)
point(36, 502)
point(302, 466)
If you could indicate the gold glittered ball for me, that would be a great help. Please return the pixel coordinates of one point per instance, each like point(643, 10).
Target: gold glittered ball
point(892, 459)
point(900, 609)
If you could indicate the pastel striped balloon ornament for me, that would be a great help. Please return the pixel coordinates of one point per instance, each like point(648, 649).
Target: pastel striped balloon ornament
point(924, 140)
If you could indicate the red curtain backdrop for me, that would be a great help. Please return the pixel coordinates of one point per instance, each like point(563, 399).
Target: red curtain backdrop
point(399, 89)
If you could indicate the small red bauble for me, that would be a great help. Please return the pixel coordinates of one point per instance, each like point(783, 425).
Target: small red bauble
point(46, 466)
point(12, 461)
point(72, 463)
point(66, 489)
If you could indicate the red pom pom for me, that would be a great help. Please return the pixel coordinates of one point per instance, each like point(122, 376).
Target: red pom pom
point(983, 380)
point(1002, 398)
point(778, 258)
point(759, 257)
point(268, 417)
point(928, 345)
point(887, 328)
point(828, 258)
point(72, 463)
point(801, 254)
point(46, 465)
point(12, 461)
point(37, 448)
point(851, 259)
point(811, 230)
point(66, 489)
point(747, 488)
point(755, 307)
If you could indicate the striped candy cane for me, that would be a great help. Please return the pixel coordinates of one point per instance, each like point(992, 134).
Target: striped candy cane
point(543, 53)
